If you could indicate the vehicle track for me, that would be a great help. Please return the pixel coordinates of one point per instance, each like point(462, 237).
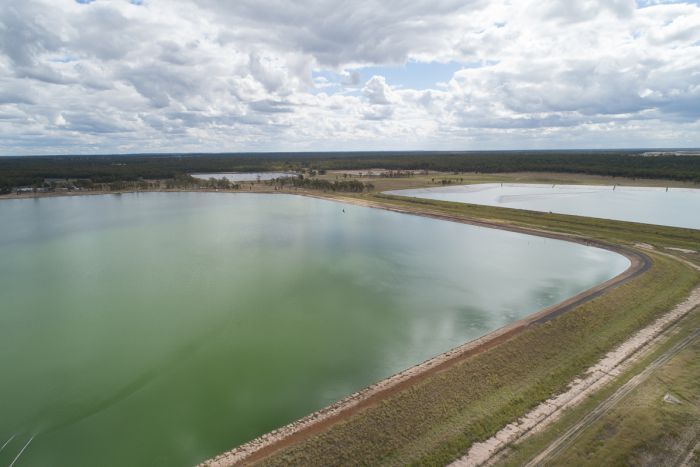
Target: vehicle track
point(565, 440)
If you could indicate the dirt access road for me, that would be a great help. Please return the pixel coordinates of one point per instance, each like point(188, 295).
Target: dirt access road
point(565, 440)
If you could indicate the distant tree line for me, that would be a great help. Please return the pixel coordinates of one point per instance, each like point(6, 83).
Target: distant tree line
point(350, 186)
point(185, 181)
point(32, 171)
point(397, 173)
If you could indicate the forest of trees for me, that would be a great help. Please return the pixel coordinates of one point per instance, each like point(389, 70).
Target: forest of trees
point(351, 186)
point(32, 171)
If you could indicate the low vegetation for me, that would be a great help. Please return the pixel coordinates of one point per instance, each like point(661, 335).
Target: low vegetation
point(643, 428)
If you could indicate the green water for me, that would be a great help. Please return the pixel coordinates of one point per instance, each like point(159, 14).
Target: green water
point(164, 328)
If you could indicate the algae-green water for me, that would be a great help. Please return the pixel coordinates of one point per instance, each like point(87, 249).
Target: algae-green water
point(165, 328)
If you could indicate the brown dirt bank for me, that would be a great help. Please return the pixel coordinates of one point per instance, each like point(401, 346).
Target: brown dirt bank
point(318, 421)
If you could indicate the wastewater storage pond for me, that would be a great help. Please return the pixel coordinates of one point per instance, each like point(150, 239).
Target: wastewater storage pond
point(165, 328)
point(675, 207)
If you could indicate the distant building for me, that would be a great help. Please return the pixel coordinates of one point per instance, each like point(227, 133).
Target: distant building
point(30, 189)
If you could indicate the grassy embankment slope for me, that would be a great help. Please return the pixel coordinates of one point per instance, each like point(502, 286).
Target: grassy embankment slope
point(645, 430)
point(641, 428)
point(436, 420)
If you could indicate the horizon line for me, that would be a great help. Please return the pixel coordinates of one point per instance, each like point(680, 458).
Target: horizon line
point(364, 151)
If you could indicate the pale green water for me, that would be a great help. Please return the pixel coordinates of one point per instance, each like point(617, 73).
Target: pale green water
point(164, 328)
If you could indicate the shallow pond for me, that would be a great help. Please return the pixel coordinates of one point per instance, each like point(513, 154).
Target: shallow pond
point(676, 207)
point(165, 328)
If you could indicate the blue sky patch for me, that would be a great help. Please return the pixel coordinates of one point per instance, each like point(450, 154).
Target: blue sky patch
point(411, 75)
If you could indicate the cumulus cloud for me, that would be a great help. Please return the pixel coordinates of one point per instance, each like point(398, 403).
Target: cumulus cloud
point(587, 10)
point(377, 91)
point(120, 76)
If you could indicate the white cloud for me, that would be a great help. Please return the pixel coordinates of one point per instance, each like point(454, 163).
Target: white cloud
point(377, 91)
point(113, 76)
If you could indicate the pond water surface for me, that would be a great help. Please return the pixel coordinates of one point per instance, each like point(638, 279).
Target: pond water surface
point(676, 207)
point(165, 328)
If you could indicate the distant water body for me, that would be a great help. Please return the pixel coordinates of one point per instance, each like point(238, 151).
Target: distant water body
point(676, 207)
point(244, 176)
point(160, 329)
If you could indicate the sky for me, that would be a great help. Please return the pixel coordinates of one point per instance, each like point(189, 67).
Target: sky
point(124, 76)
